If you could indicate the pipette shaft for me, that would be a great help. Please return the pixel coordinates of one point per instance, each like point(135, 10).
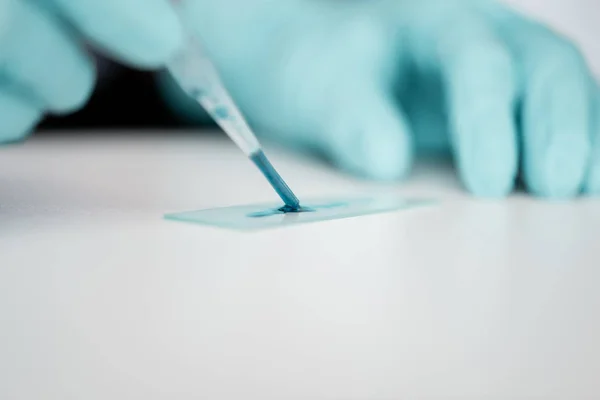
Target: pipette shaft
point(198, 77)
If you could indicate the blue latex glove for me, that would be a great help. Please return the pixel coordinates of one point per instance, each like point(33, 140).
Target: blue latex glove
point(44, 66)
point(367, 82)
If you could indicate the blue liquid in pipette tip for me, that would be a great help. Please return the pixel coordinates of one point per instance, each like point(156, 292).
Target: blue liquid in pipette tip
point(292, 204)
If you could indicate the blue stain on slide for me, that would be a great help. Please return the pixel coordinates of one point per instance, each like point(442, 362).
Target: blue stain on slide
point(291, 210)
point(266, 216)
point(279, 211)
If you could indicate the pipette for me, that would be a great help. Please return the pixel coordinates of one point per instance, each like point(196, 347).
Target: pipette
point(199, 78)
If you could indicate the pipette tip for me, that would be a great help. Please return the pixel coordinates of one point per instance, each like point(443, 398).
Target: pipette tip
point(283, 190)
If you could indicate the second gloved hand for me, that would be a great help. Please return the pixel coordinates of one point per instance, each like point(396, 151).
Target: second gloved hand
point(367, 82)
point(44, 65)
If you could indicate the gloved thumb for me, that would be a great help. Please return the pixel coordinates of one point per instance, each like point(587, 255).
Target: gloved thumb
point(142, 33)
point(368, 135)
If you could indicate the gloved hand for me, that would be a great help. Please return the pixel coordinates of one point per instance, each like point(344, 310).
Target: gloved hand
point(367, 82)
point(44, 66)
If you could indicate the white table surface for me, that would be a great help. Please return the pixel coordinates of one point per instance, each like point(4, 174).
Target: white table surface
point(100, 298)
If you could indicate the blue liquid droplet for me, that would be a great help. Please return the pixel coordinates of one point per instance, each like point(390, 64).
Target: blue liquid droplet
point(294, 210)
point(197, 93)
point(221, 112)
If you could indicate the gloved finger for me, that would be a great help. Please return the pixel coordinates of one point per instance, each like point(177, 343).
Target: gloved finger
point(40, 55)
point(19, 115)
point(144, 33)
point(556, 111)
point(592, 184)
point(368, 135)
point(481, 86)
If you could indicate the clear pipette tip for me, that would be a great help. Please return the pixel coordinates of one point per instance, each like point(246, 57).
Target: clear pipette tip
point(196, 75)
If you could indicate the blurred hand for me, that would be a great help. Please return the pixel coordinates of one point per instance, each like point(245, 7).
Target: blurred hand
point(44, 67)
point(366, 82)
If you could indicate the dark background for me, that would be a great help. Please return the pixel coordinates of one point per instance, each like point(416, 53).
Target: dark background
point(129, 100)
